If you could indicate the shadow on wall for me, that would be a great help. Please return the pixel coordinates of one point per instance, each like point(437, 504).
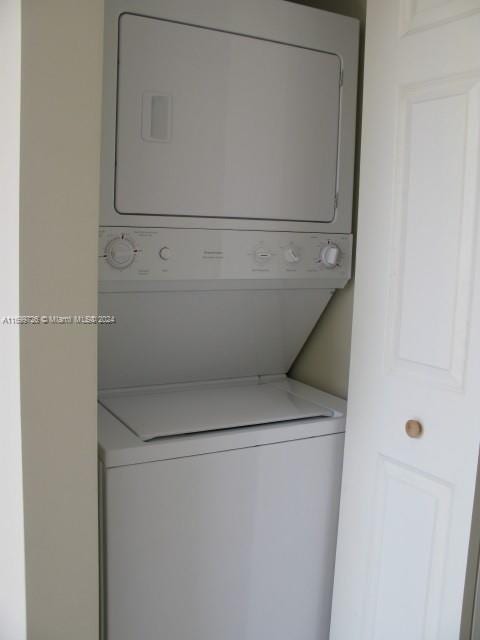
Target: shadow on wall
point(324, 360)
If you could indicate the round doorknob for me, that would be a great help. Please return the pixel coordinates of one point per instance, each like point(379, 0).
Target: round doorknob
point(414, 429)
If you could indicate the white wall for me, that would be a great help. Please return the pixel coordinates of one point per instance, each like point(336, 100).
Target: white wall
point(324, 361)
point(12, 572)
point(59, 174)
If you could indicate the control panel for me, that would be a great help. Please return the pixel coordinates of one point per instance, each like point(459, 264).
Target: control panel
point(209, 254)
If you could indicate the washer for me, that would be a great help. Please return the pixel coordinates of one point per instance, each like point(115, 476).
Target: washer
point(229, 533)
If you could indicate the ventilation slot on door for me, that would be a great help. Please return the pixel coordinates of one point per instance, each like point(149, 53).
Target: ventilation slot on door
point(156, 110)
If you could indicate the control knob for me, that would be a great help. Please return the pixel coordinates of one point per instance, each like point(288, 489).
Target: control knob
point(165, 253)
point(292, 255)
point(120, 253)
point(262, 255)
point(330, 256)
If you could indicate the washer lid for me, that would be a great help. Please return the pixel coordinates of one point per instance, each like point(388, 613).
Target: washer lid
point(153, 415)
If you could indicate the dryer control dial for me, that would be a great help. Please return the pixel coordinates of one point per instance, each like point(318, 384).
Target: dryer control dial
point(165, 253)
point(292, 255)
point(120, 253)
point(262, 255)
point(330, 256)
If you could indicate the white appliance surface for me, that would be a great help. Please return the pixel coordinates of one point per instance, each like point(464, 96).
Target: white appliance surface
point(228, 114)
point(224, 534)
point(152, 415)
point(216, 124)
point(148, 254)
point(197, 304)
point(226, 193)
point(120, 445)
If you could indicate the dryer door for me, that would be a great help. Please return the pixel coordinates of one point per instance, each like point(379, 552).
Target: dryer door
point(213, 124)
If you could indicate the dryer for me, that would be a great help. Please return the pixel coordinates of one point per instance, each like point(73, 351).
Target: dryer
point(228, 114)
point(227, 170)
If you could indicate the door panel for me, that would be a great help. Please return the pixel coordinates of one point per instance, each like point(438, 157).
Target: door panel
point(435, 206)
point(215, 124)
point(423, 14)
point(412, 511)
point(407, 502)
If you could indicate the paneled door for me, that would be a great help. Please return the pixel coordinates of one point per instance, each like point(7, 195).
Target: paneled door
point(414, 413)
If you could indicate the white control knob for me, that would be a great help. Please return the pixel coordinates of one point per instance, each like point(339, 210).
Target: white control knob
point(262, 255)
point(165, 253)
point(330, 256)
point(120, 253)
point(292, 255)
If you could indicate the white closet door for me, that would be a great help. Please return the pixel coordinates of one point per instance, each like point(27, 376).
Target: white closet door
point(407, 502)
point(216, 124)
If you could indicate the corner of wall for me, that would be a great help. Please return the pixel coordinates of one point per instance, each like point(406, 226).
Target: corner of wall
point(59, 195)
point(325, 358)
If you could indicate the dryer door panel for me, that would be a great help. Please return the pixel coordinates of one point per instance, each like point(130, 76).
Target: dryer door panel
point(214, 124)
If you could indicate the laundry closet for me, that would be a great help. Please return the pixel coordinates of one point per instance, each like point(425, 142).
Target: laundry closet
point(239, 496)
point(225, 229)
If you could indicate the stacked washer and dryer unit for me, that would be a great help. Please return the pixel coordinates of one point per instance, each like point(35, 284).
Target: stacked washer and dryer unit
point(227, 171)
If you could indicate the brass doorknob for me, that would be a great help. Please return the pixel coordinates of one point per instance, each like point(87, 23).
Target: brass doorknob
point(414, 429)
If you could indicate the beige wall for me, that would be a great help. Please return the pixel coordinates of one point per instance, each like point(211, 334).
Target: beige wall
point(324, 360)
point(59, 169)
